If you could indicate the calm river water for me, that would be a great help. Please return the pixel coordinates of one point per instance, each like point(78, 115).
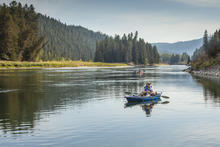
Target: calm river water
point(86, 108)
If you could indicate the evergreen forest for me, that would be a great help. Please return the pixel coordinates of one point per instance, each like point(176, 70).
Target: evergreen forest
point(126, 49)
point(29, 36)
point(20, 39)
point(210, 47)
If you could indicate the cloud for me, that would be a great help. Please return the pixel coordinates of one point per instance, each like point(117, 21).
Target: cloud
point(200, 3)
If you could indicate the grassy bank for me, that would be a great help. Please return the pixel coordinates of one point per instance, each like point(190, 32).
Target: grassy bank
point(48, 64)
point(205, 62)
point(160, 64)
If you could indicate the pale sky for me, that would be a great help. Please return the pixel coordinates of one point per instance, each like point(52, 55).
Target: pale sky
point(155, 20)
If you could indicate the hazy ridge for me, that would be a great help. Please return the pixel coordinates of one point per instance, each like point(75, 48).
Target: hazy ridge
point(179, 47)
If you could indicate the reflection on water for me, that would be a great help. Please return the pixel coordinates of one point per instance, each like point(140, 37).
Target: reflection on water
point(28, 96)
point(84, 107)
point(18, 107)
point(147, 106)
point(211, 89)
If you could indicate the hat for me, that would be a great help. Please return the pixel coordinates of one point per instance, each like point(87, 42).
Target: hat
point(148, 83)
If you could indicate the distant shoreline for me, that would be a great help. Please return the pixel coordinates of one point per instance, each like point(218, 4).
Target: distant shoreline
point(161, 64)
point(4, 65)
point(56, 64)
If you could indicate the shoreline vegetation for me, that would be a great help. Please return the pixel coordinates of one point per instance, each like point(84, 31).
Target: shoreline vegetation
point(212, 72)
point(59, 64)
point(55, 64)
point(205, 67)
point(161, 64)
point(206, 60)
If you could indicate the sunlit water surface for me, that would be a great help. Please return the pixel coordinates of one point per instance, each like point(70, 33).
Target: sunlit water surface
point(86, 107)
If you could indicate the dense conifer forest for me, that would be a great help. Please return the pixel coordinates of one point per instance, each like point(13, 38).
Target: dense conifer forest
point(211, 46)
point(126, 49)
point(67, 41)
point(175, 58)
point(19, 33)
point(28, 36)
point(209, 54)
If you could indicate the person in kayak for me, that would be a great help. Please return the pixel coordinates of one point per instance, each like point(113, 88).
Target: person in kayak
point(140, 72)
point(148, 90)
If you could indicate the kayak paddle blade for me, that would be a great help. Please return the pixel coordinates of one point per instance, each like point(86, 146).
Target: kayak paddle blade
point(166, 102)
point(166, 97)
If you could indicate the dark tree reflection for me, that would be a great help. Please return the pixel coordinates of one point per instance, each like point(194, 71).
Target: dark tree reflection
point(211, 89)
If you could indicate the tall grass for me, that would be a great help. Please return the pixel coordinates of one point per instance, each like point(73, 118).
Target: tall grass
point(46, 64)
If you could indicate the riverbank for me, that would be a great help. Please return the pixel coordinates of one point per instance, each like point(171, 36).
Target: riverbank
point(206, 66)
point(212, 71)
point(55, 64)
point(160, 64)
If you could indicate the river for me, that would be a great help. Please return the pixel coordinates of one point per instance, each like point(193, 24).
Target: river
point(86, 107)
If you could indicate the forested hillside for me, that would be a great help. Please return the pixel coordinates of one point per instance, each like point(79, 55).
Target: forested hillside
point(67, 41)
point(28, 36)
point(126, 49)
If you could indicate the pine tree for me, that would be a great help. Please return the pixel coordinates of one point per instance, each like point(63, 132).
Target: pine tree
point(205, 41)
point(156, 55)
point(8, 35)
point(19, 33)
point(214, 45)
point(126, 49)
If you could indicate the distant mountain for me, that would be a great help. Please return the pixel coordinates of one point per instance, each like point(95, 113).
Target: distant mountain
point(179, 47)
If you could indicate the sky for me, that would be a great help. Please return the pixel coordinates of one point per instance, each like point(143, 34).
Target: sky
point(155, 20)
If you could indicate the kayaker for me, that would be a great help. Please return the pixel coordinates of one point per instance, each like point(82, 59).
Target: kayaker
point(140, 72)
point(148, 90)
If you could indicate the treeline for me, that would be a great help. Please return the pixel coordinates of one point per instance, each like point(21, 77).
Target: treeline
point(67, 41)
point(197, 53)
point(175, 58)
point(128, 49)
point(211, 46)
point(19, 33)
point(28, 36)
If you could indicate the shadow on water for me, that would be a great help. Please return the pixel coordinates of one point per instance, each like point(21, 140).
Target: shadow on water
point(147, 106)
point(211, 89)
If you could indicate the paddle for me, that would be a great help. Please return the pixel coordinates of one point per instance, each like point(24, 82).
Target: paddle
point(127, 92)
point(166, 97)
point(166, 102)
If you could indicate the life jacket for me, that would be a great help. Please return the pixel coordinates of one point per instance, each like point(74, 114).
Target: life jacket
point(147, 89)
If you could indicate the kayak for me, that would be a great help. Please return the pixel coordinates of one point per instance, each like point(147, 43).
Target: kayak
point(143, 98)
point(135, 103)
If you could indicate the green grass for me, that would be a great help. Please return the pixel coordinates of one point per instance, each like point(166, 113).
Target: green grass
point(48, 64)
